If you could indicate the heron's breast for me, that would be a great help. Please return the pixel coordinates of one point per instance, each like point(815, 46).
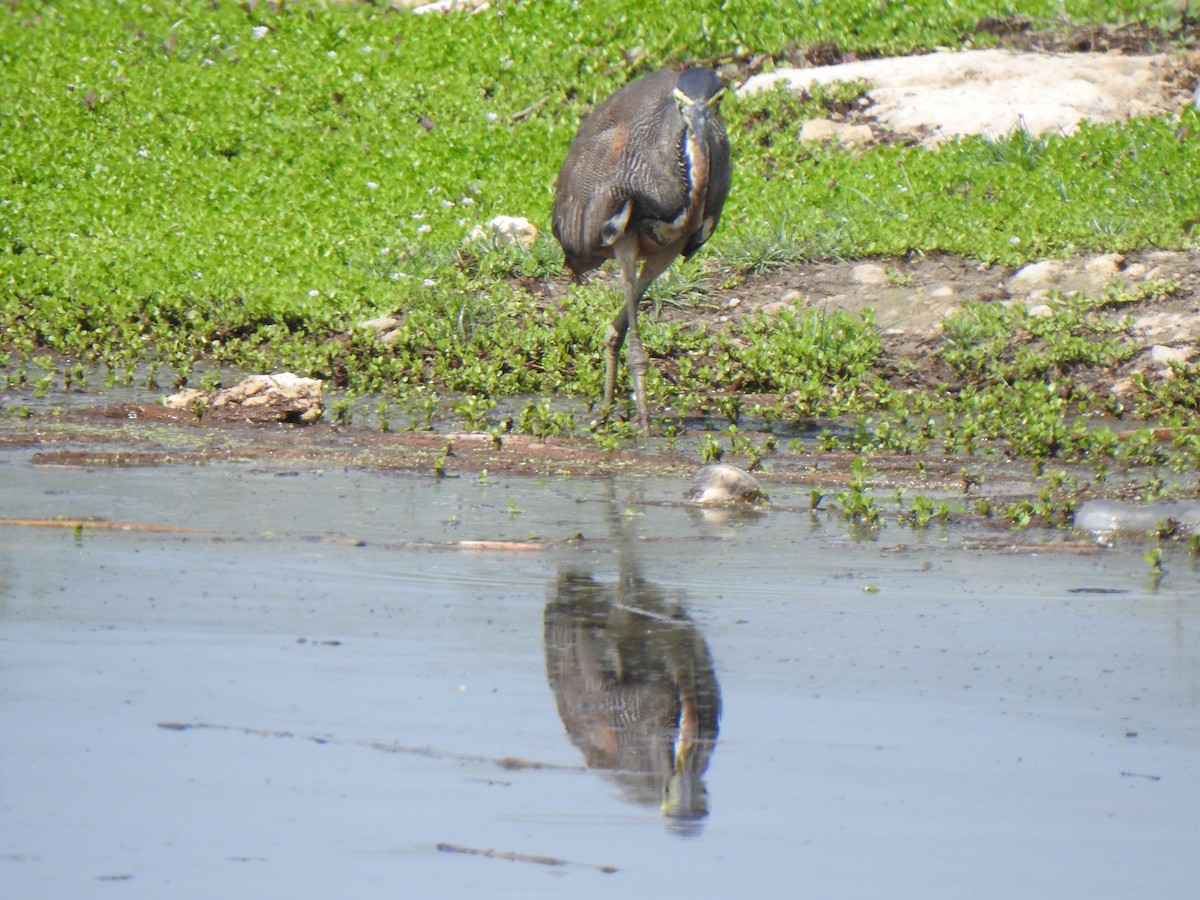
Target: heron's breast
point(691, 217)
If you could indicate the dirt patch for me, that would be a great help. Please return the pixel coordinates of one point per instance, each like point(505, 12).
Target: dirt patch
point(910, 299)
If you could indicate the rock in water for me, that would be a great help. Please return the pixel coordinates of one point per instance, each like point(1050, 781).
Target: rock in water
point(259, 399)
point(723, 483)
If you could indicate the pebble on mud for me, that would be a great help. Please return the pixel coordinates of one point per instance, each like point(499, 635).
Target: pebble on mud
point(869, 273)
point(1035, 275)
point(723, 483)
point(259, 399)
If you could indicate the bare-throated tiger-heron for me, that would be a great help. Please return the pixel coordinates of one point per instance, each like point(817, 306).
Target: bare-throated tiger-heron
point(644, 182)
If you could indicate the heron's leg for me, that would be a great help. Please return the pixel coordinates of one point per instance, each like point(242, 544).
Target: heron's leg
point(626, 251)
point(612, 351)
point(626, 322)
point(613, 233)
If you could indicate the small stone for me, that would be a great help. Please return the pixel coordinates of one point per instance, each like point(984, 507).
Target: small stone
point(827, 130)
point(1136, 270)
point(382, 325)
point(1034, 276)
point(942, 292)
point(186, 398)
point(774, 308)
point(1041, 311)
point(791, 295)
point(869, 274)
point(505, 230)
point(1104, 267)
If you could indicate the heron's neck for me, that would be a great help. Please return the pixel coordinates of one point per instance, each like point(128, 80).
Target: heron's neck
point(695, 158)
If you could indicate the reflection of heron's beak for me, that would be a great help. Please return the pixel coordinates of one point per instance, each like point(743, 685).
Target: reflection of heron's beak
point(684, 796)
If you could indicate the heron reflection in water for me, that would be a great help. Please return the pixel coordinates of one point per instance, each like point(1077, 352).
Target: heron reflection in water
point(635, 687)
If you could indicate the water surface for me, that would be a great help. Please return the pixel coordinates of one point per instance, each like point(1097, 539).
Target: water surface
point(909, 716)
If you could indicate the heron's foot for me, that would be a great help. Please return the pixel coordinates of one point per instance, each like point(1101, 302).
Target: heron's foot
point(601, 417)
point(637, 373)
point(617, 414)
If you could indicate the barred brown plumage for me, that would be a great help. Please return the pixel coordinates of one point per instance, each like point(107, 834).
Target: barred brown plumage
point(644, 181)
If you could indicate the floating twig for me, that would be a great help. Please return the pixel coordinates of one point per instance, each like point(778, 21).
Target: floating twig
point(521, 857)
point(505, 762)
point(496, 545)
point(530, 109)
point(90, 523)
point(1141, 775)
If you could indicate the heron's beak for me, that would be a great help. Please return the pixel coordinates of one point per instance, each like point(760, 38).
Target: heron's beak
point(684, 796)
point(711, 103)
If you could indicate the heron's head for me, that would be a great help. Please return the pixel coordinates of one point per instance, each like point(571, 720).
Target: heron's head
point(698, 94)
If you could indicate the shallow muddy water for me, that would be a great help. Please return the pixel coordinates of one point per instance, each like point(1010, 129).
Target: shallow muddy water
point(319, 690)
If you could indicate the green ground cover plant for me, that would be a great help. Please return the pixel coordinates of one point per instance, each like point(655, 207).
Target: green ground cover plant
point(190, 183)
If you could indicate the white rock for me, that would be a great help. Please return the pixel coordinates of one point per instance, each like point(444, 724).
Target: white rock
point(1034, 276)
point(1105, 267)
point(447, 6)
point(996, 92)
point(283, 397)
point(186, 398)
point(505, 230)
point(869, 274)
point(1162, 355)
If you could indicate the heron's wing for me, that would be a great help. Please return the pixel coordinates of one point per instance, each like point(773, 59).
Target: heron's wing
point(587, 195)
point(626, 153)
